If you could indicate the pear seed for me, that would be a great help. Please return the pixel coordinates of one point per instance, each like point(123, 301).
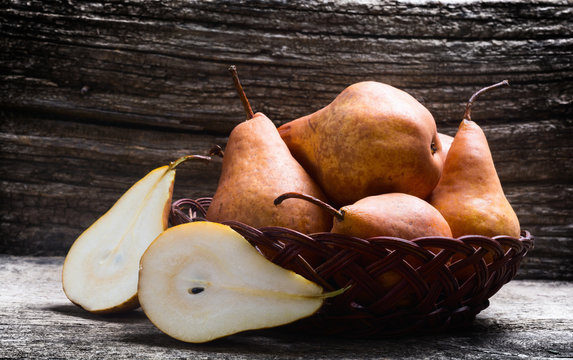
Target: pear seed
point(196, 290)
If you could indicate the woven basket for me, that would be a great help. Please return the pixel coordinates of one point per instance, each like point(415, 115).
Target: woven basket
point(395, 286)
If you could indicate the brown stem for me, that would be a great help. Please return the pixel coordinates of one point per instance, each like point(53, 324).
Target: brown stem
point(467, 113)
point(216, 150)
point(174, 163)
point(332, 211)
point(242, 96)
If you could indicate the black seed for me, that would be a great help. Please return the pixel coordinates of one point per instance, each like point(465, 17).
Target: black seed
point(196, 290)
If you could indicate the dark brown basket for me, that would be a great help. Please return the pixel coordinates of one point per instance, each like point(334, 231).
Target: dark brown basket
point(395, 286)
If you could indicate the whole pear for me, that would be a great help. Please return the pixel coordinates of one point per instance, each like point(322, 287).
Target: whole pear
point(391, 214)
point(371, 139)
point(258, 167)
point(446, 141)
point(469, 194)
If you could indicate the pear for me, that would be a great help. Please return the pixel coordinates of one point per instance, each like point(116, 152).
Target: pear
point(392, 214)
point(101, 268)
point(201, 281)
point(446, 141)
point(257, 167)
point(371, 139)
point(469, 194)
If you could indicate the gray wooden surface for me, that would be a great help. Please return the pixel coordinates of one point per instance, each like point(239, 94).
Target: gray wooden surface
point(94, 94)
point(527, 319)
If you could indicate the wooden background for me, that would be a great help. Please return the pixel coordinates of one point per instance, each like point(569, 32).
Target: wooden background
point(94, 94)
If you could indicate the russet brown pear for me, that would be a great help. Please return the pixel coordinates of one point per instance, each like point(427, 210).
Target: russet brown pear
point(393, 214)
point(372, 139)
point(469, 194)
point(446, 141)
point(258, 167)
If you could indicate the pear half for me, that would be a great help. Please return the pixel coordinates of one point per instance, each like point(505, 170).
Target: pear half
point(201, 281)
point(100, 271)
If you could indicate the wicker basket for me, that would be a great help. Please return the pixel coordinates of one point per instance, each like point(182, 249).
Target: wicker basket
point(396, 286)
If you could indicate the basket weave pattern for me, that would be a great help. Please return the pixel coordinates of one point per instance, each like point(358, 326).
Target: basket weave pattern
point(394, 286)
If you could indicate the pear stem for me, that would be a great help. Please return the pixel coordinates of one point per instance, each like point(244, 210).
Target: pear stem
point(216, 150)
point(241, 92)
point(467, 113)
point(290, 195)
point(174, 163)
point(331, 294)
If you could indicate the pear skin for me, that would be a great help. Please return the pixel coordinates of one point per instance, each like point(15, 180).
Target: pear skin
point(371, 139)
point(469, 194)
point(397, 215)
point(258, 167)
point(446, 141)
point(394, 214)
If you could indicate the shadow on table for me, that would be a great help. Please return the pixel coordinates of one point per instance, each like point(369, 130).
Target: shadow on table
point(134, 328)
point(277, 341)
point(135, 316)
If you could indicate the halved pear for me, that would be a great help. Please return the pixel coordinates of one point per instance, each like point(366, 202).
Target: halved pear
point(201, 281)
point(100, 271)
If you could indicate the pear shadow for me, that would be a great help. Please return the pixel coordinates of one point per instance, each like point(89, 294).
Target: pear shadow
point(136, 329)
point(133, 316)
point(262, 342)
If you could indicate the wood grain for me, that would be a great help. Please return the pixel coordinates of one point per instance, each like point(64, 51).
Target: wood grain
point(526, 319)
point(93, 95)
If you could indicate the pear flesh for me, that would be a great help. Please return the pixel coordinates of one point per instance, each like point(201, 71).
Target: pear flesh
point(100, 271)
point(202, 280)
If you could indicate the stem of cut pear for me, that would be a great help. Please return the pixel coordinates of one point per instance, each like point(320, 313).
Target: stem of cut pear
point(242, 96)
point(174, 164)
point(294, 195)
point(467, 113)
point(334, 293)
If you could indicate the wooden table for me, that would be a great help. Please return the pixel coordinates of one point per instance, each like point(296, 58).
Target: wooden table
point(527, 319)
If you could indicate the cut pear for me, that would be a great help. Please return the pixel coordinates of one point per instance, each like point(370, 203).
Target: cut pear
point(100, 272)
point(201, 281)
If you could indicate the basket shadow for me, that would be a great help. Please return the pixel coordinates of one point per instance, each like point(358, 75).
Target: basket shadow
point(276, 341)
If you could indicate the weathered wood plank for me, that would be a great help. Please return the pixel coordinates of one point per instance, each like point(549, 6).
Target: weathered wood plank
point(526, 319)
point(166, 64)
point(59, 176)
